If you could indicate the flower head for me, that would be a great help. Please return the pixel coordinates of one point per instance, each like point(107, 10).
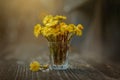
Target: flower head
point(47, 19)
point(37, 29)
point(34, 66)
point(52, 24)
point(50, 21)
point(71, 28)
point(80, 26)
point(78, 31)
point(63, 27)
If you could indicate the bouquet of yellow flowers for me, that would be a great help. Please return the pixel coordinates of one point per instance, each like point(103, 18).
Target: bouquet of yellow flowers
point(54, 29)
point(58, 35)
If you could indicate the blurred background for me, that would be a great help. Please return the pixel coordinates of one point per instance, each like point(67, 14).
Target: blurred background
point(100, 18)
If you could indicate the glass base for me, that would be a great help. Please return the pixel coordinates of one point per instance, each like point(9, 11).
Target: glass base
point(59, 67)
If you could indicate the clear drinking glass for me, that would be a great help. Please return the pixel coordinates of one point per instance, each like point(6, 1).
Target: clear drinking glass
point(58, 55)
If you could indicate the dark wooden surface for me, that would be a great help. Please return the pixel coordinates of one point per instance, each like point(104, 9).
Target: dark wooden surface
point(18, 70)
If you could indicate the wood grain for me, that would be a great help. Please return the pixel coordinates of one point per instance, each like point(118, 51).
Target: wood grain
point(14, 71)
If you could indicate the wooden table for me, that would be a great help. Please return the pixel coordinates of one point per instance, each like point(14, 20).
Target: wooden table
point(18, 70)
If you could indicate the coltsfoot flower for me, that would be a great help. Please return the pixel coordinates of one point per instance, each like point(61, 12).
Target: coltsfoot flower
point(80, 26)
point(48, 19)
point(34, 66)
point(37, 30)
point(78, 32)
point(52, 24)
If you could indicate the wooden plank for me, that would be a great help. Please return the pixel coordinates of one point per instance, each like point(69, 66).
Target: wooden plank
point(14, 71)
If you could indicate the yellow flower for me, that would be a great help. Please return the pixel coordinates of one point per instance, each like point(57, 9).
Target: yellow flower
point(78, 32)
point(52, 24)
point(71, 28)
point(34, 66)
point(63, 27)
point(48, 19)
point(37, 30)
point(45, 31)
point(80, 26)
point(79, 29)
